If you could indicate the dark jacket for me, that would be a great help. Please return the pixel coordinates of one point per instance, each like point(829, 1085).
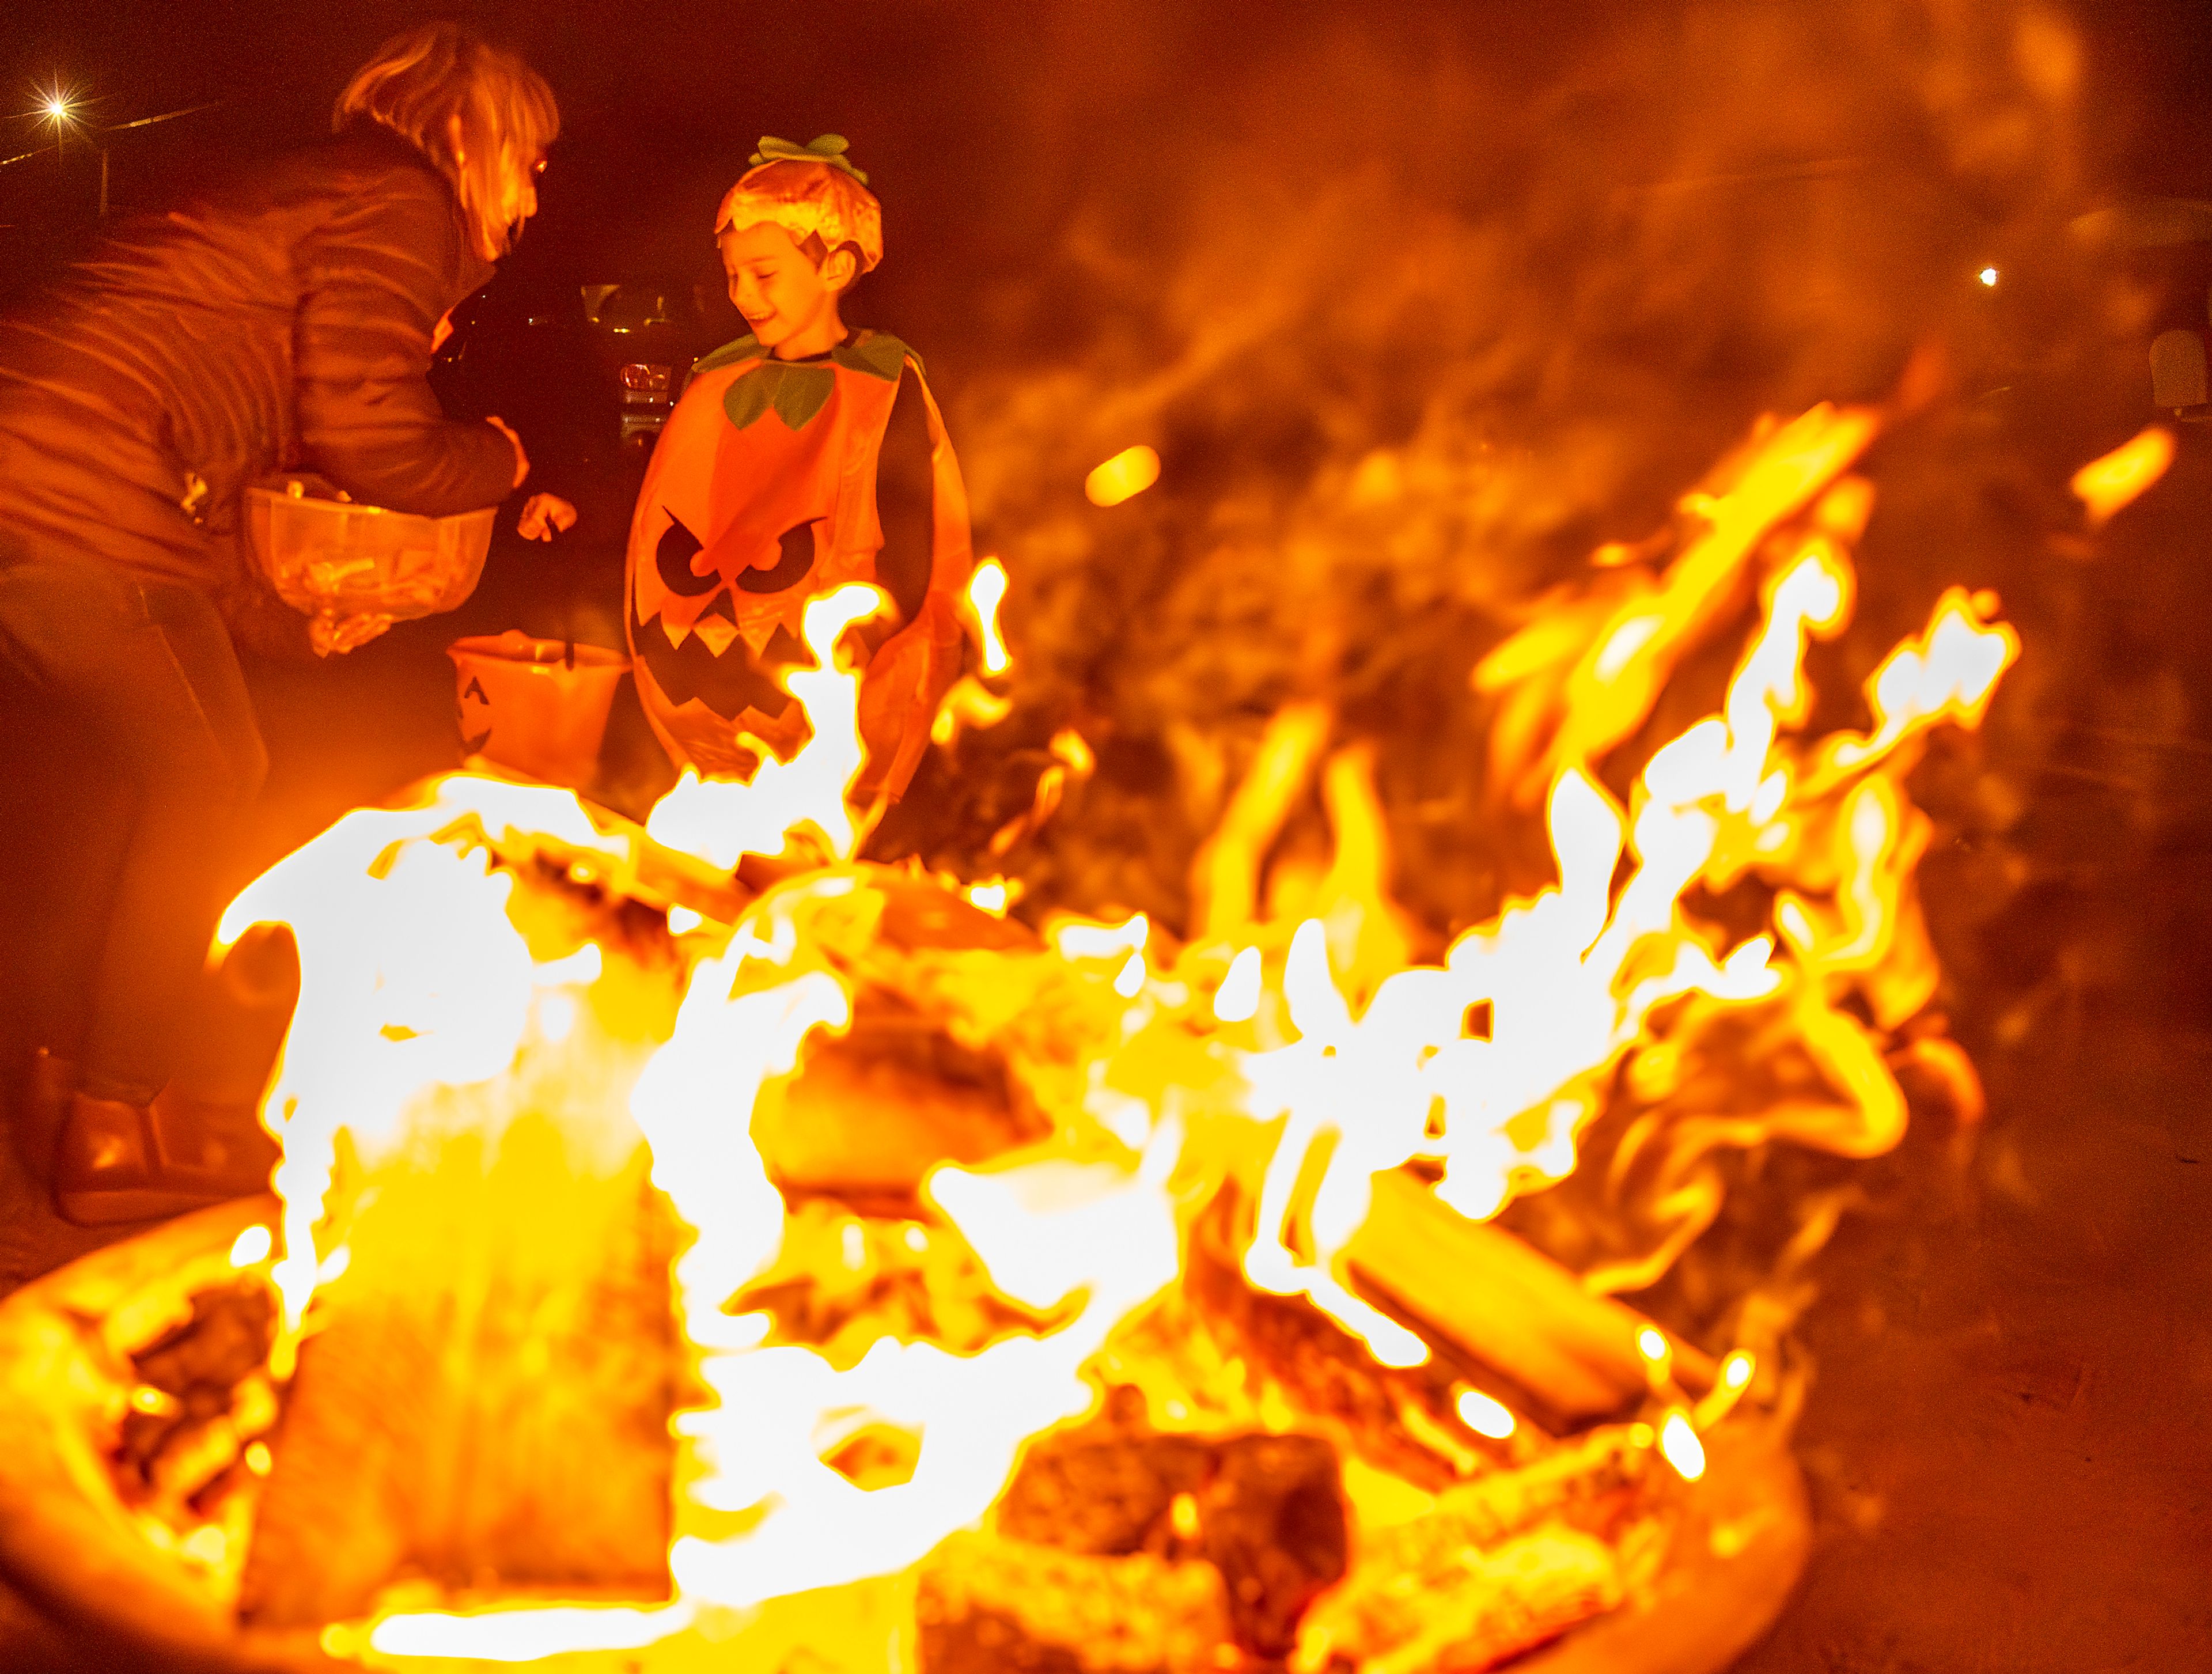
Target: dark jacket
point(280, 323)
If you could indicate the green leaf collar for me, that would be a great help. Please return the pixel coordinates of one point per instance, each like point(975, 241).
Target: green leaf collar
point(797, 390)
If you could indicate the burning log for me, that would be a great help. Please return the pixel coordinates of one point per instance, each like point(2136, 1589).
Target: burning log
point(988, 1605)
point(1507, 1304)
point(487, 1402)
point(1584, 1485)
point(1471, 1612)
point(1499, 1565)
point(871, 1110)
point(1272, 1522)
point(1107, 1490)
point(1267, 1511)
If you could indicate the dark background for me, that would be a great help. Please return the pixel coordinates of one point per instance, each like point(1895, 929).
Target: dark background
point(1534, 269)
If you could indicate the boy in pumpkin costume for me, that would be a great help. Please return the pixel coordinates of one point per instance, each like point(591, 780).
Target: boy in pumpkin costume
point(800, 457)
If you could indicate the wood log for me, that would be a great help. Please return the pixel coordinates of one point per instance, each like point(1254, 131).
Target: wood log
point(1499, 1565)
point(987, 1606)
point(1600, 1466)
point(1506, 1303)
point(1493, 1606)
point(487, 1405)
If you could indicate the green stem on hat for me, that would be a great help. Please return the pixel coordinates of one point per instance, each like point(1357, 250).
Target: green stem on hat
point(828, 148)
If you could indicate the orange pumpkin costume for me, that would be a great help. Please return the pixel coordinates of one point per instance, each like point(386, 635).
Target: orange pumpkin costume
point(761, 496)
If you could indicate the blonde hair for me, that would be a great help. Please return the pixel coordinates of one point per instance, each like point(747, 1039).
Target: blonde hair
point(417, 81)
point(808, 200)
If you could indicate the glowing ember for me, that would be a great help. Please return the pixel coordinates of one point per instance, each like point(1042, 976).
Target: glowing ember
point(2105, 485)
point(1127, 475)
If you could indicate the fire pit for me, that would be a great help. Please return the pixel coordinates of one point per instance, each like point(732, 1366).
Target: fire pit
point(828, 1271)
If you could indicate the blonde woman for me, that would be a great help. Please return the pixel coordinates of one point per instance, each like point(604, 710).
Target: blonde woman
point(285, 322)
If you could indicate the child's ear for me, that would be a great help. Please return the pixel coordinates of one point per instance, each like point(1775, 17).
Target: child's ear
point(840, 268)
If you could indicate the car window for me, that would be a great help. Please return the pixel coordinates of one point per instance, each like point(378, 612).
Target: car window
point(625, 308)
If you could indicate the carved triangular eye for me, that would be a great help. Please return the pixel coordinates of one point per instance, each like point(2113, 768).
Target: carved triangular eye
point(475, 689)
point(672, 558)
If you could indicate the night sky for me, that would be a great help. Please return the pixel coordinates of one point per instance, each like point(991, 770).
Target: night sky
point(986, 125)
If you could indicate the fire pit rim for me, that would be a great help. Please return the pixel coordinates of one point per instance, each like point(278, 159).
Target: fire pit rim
point(67, 1544)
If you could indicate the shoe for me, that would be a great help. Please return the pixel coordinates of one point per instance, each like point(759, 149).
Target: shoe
point(119, 1161)
point(42, 1099)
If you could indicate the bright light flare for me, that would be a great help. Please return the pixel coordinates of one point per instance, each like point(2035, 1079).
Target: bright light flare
point(251, 1247)
point(514, 1635)
point(57, 108)
point(1680, 1446)
point(1238, 999)
point(1127, 475)
point(987, 588)
point(1483, 1415)
point(1988, 276)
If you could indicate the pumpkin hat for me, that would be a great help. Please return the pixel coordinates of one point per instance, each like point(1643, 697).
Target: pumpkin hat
point(810, 190)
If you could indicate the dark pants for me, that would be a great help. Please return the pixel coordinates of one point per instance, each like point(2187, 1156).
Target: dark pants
point(120, 823)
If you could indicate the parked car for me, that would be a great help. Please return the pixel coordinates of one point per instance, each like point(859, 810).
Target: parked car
point(651, 331)
point(585, 370)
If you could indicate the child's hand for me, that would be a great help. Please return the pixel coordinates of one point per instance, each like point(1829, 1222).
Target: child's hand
point(545, 515)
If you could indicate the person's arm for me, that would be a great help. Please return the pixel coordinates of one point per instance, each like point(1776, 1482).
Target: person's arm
point(906, 504)
point(374, 280)
point(916, 660)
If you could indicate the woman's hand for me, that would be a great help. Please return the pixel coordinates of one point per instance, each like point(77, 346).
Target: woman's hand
point(522, 459)
point(544, 516)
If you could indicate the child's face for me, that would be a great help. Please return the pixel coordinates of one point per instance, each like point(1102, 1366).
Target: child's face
point(775, 284)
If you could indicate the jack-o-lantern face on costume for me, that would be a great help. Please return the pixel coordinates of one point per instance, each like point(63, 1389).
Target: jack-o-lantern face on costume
point(760, 496)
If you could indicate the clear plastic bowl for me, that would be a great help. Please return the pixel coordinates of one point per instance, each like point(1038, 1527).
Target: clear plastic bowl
point(354, 570)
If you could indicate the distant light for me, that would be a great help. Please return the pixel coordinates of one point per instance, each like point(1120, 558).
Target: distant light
point(1735, 1371)
point(1132, 978)
point(1988, 276)
point(252, 1247)
point(991, 897)
point(1651, 1345)
point(1128, 473)
point(1485, 1417)
point(1682, 1447)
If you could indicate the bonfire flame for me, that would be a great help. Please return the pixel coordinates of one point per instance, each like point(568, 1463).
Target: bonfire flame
point(1338, 1057)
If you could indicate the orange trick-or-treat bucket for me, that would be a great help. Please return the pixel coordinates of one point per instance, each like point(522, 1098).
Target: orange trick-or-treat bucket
point(536, 706)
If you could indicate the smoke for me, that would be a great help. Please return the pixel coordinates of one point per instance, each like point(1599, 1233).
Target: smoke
point(1418, 315)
